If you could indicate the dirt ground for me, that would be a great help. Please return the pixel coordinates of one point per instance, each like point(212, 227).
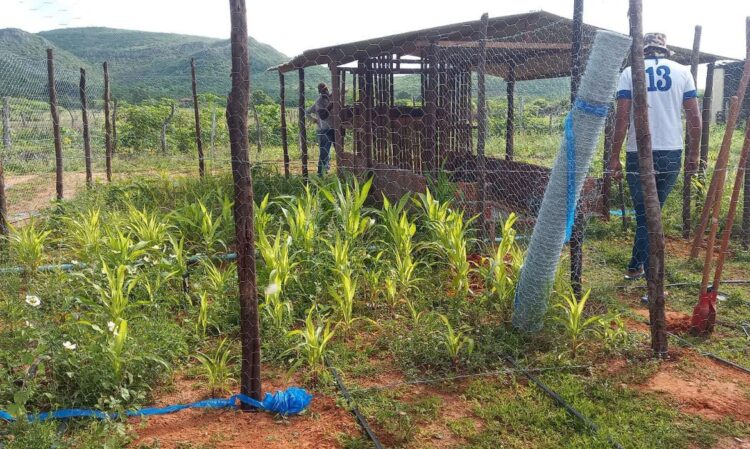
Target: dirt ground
point(318, 427)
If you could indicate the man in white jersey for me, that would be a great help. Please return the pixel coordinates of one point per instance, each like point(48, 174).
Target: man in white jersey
point(670, 88)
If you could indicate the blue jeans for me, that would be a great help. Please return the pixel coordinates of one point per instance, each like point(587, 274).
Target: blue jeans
point(667, 167)
point(325, 139)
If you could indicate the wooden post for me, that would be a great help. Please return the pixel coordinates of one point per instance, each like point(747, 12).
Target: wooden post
point(485, 221)
point(196, 109)
point(510, 87)
point(107, 125)
point(706, 120)
point(688, 174)
point(576, 67)
point(338, 143)
point(7, 141)
point(655, 273)
point(369, 105)
point(7, 144)
point(301, 119)
point(726, 143)
point(430, 113)
point(55, 124)
point(114, 126)
point(746, 187)
point(86, 137)
point(282, 108)
point(237, 107)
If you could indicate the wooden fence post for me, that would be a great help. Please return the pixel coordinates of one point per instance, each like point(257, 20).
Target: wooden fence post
point(430, 112)
point(86, 137)
point(576, 69)
point(237, 108)
point(688, 174)
point(7, 144)
point(282, 108)
point(197, 113)
point(655, 275)
point(301, 119)
point(107, 125)
point(485, 222)
point(55, 124)
point(746, 187)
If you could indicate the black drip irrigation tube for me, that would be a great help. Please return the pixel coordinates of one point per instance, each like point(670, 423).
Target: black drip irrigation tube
point(355, 411)
point(710, 355)
point(562, 402)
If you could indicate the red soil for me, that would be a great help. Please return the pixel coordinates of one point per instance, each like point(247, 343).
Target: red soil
point(317, 428)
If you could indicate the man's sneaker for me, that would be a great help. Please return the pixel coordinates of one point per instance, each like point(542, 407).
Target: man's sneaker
point(633, 275)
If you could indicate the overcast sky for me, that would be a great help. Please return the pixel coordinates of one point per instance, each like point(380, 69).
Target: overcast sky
point(293, 26)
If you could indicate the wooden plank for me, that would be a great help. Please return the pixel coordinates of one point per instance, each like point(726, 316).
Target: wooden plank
point(197, 113)
point(302, 125)
point(282, 109)
point(86, 137)
point(55, 123)
point(237, 108)
point(107, 125)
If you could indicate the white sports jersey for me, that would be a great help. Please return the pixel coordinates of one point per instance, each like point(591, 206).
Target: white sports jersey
point(668, 84)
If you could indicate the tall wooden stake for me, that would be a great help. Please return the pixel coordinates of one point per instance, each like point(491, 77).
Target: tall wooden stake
point(746, 187)
point(706, 119)
point(282, 109)
point(6, 147)
point(655, 273)
point(197, 113)
point(482, 126)
point(688, 174)
point(55, 124)
point(510, 88)
point(86, 137)
point(237, 108)
point(576, 69)
point(302, 123)
point(107, 125)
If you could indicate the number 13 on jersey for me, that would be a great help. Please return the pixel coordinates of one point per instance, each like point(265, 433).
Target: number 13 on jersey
point(659, 78)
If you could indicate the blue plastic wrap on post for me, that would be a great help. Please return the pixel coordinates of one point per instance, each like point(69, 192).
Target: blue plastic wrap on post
point(287, 402)
point(566, 179)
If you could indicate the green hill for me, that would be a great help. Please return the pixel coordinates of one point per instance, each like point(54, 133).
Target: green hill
point(142, 65)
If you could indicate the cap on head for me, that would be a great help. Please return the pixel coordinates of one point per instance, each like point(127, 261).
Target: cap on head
point(656, 41)
point(322, 87)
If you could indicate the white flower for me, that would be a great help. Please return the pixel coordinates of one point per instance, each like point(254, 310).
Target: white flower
point(74, 262)
point(272, 289)
point(28, 324)
point(70, 346)
point(372, 221)
point(33, 300)
point(111, 326)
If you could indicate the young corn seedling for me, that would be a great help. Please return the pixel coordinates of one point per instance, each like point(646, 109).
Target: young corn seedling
point(500, 272)
point(262, 217)
point(455, 341)
point(415, 314)
point(340, 252)
point(147, 227)
point(216, 367)
point(85, 234)
point(301, 218)
point(201, 323)
point(277, 311)
point(120, 249)
point(343, 297)
point(433, 209)
point(114, 296)
point(452, 239)
point(313, 347)
point(201, 227)
point(348, 205)
point(278, 257)
point(574, 321)
point(117, 348)
point(27, 249)
point(217, 280)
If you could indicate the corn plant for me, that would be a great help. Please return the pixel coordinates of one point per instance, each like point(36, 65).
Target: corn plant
point(313, 346)
point(203, 228)
point(415, 314)
point(343, 297)
point(340, 251)
point(574, 322)
point(397, 225)
point(147, 227)
point(201, 323)
point(216, 367)
point(278, 257)
point(500, 272)
point(452, 240)
point(348, 205)
point(373, 275)
point(27, 246)
point(262, 217)
point(612, 331)
point(217, 280)
point(434, 210)
point(301, 218)
point(117, 348)
point(85, 234)
point(455, 340)
point(276, 310)
point(114, 295)
point(121, 249)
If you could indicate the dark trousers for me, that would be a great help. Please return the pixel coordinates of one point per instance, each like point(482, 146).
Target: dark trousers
point(325, 139)
point(666, 167)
